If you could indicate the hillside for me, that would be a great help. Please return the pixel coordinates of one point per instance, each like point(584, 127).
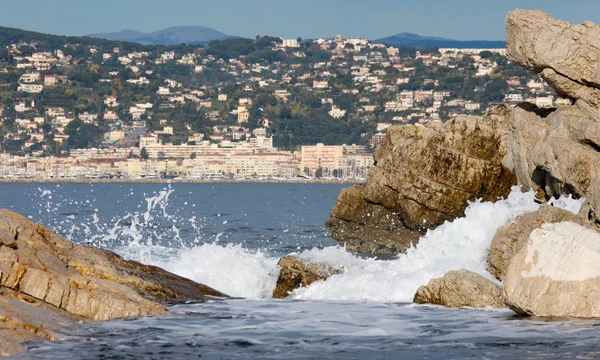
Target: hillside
point(408, 39)
point(169, 36)
point(46, 41)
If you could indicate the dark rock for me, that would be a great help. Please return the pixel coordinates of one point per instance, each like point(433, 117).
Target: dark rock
point(296, 273)
point(424, 176)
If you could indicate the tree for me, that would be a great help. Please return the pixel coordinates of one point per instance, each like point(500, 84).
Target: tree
point(144, 153)
point(486, 54)
point(82, 136)
point(319, 173)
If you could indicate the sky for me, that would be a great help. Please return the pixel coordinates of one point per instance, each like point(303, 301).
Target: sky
point(309, 19)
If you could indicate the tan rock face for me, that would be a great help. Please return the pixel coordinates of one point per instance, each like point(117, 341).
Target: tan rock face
point(509, 239)
point(558, 152)
point(459, 289)
point(23, 318)
point(556, 273)
point(424, 176)
point(296, 273)
point(565, 55)
point(78, 281)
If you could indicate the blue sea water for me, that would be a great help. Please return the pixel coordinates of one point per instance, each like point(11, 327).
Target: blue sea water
point(230, 236)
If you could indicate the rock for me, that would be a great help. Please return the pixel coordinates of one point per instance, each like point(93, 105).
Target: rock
point(24, 318)
point(461, 288)
point(510, 238)
point(556, 273)
point(557, 151)
point(424, 176)
point(296, 273)
point(565, 55)
point(556, 154)
point(81, 281)
point(366, 228)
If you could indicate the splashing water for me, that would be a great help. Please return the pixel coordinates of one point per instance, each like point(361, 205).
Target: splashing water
point(153, 236)
point(460, 244)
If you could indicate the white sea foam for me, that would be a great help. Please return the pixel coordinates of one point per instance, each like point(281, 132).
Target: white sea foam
point(237, 271)
point(231, 269)
point(460, 244)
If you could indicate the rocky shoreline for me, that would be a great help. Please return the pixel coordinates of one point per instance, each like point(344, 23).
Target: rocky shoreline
point(548, 261)
point(183, 181)
point(48, 283)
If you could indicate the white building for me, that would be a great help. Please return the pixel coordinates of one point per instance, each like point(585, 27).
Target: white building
point(336, 112)
point(290, 43)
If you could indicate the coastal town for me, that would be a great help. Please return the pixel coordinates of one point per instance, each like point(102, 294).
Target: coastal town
point(264, 108)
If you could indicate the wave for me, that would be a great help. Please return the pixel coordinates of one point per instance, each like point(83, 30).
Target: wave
point(460, 244)
point(151, 235)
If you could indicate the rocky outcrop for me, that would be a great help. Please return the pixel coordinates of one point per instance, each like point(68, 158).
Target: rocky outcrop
point(296, 273)
point(80, 281)
point(556, 273)
point(461, 288)
point(367, 228)
point(424, 176)
point(510, 239)
point(565, 55)
point(557, 152)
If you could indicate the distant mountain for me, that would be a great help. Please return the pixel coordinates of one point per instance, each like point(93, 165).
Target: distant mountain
point(47, 42)
point(408, 39)
point(168, 36)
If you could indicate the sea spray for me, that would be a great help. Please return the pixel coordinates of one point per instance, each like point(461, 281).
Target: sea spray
point(231, 268)
point(153, 235)
point(460, 244)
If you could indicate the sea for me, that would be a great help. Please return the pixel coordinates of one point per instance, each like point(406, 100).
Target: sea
point(230, 236)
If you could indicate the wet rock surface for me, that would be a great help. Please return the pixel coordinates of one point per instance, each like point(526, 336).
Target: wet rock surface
point(367, 228)
point(461, 288)
point(296, 273)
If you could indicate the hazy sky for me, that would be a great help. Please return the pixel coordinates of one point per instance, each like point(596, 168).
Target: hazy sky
point(458, 19)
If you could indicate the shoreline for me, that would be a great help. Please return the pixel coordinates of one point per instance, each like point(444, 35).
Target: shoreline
point(185, 181)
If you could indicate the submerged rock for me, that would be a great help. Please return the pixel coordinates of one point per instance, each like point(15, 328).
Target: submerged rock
point(459, 289)
point(81, 281)
point(510, 238)
point(556, 273)
point(296, 273)
point(423, 176)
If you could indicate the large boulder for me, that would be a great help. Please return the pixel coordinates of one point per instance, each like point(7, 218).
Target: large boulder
point(556, 273)
point(459, 289)
point(79, 281)
point(565, 55)
point(296, 273)
point(424, 176)
point(509, 239)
